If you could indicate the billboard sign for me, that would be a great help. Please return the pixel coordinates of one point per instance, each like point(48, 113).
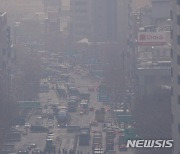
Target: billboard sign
point(152, 38)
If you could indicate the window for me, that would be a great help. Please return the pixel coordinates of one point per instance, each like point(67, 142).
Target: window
point(178, 59)
point(178, 39)
point(178, 79)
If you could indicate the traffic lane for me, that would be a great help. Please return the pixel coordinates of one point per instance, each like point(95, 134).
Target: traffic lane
point(62, 138)
point(37, 138)
point(87, 119)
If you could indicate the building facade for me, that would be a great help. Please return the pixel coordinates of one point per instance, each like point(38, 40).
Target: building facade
point(80, 13)
point(104, 20)
point(175, 15)
point(6, 54)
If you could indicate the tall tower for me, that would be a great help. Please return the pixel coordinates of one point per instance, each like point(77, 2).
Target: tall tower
point(80, 19)
point(175, 101)
point(5, 53)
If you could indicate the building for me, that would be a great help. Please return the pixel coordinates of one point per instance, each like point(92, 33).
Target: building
point(160, 17)
point(152, 76)
point(50, 5)
point(30, 31)
point(80, 13)
point(52, 32)
point(104, 20)
point(175, 75)
point(6, 53)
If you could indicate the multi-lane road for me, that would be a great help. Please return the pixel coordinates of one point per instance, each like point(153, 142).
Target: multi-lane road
point(62, 138)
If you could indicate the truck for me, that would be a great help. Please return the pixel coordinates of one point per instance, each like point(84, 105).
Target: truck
point(100, 115)
point(97, 140)
point(110, 140)
point(72, 105)
point(49, 147)
point(63, 117)
point(84, 106)
point(84, 96)
point(73, 145)
point(73, 91)
point(61, 91)
point(75, 98)
point(84, 136)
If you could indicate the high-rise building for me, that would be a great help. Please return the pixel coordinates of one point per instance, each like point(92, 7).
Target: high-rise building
point(52, 31)
point(104, 20)
point(5, 53)
point(175, 15)
point(80, 19)
point(52, 5)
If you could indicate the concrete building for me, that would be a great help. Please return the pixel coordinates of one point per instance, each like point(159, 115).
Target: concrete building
point(151, 76)
point(104, 20)
point(80, 12)
point(29, 31)
point(160, 11)
point(175, 75)
point(52, 32)
point(50, 5)
point(6, 53)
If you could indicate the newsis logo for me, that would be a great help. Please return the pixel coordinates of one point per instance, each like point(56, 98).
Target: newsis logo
point(149, 144)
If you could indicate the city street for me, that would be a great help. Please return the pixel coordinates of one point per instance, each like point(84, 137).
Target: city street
point(62, 138)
